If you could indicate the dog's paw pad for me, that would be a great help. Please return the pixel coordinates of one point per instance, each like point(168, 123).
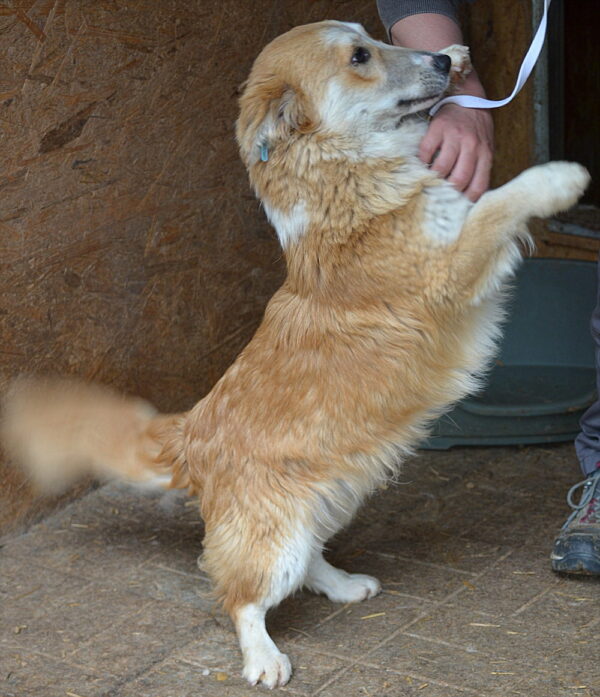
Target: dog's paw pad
point(272, 668)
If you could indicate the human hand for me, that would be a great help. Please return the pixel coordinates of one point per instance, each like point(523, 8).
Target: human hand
point(463, 138)
point(459, 145)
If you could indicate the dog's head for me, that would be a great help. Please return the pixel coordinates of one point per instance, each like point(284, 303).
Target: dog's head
point(333, 78)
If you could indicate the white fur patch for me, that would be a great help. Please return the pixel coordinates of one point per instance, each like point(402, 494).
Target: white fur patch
point(351, 111)
point(340, 106)
point(397, 143)
point(289, 226)
point(156, 481)
point(445, 213)
point(339, 586)
point(291, 564)
point(263, 662)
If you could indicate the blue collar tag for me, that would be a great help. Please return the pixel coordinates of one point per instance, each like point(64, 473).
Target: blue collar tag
point(264, 152)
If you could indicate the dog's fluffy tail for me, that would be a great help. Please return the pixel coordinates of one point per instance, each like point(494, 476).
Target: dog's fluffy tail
point(62, 430)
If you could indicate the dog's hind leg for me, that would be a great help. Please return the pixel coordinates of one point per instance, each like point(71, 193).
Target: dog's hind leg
point(263, 661)
point(256, 563)
point(339, 586)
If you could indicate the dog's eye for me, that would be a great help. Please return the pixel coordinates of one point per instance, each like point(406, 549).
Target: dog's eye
point(360, 55)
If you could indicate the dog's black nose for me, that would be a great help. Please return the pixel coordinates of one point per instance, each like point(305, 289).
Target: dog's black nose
point(442, 62)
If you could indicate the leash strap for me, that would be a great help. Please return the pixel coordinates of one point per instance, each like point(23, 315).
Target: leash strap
point(524, 72)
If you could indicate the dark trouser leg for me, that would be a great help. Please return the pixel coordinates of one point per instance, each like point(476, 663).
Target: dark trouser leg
point(587, 443)
point(576, 550)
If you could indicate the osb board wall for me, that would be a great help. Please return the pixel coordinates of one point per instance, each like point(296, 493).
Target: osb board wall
point(132, 250)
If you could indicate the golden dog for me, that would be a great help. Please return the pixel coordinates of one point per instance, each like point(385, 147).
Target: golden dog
point(389, 314)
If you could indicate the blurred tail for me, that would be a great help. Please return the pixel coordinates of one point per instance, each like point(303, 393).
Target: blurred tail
point(62, 430)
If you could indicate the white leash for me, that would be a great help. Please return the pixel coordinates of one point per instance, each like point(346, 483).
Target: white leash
point(524, 72)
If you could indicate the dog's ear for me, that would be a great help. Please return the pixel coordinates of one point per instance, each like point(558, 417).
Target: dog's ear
point(270, 113)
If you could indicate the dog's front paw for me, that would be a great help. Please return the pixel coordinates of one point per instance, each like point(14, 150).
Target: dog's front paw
point(554, 186)
point(353, 588)
point(461, 62)
point(567, 181)
point(268, 666)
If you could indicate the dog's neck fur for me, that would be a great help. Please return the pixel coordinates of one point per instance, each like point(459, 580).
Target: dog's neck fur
point(329, 190)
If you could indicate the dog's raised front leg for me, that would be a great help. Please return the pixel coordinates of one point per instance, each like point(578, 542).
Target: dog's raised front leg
point(339, 586)
point(540, 191)
point(486, 250)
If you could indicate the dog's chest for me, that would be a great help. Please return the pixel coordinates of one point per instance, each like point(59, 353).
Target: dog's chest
point(444, 213)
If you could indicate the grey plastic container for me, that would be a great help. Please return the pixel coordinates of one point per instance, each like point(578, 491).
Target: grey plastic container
point(544, 378)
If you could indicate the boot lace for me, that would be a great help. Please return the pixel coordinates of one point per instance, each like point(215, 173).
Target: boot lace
point(590, 499)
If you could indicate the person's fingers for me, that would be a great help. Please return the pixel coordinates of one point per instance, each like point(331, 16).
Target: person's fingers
point(430, 143)
point(446, 158)
point(480, 182)
point(458, 146)
point(466, 162)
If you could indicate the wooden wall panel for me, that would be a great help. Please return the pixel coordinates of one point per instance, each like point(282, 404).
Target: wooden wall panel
point(132, 250)
point(499, 34)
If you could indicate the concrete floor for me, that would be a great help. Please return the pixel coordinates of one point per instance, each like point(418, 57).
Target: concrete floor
point(105, 597)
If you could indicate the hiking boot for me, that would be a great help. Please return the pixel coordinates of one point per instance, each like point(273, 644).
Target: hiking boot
point(577, 547)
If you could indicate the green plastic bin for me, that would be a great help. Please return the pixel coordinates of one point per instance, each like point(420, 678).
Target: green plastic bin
point(544, 378)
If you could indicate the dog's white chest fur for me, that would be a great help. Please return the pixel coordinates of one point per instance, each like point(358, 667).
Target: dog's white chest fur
point(445, 212)
point(289, 226)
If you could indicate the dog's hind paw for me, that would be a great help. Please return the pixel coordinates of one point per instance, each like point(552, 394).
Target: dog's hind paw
point(269, 667)
point(354, 588)
point(340, 586)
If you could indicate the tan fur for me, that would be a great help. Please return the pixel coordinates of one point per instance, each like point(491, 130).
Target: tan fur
point(377, 329)
point(63, 429)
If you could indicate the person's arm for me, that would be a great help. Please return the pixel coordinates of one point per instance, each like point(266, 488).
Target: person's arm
point(462, 138)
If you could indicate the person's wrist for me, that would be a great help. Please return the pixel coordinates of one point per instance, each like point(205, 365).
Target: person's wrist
point(471, 86)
